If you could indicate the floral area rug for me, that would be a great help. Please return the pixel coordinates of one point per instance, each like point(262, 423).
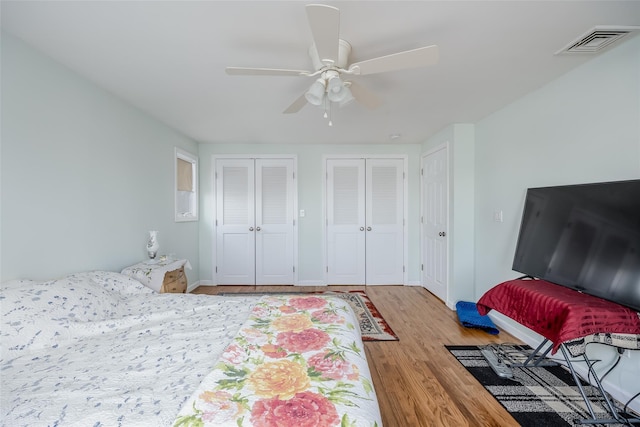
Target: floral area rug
point(535, 397)
point(373, 327)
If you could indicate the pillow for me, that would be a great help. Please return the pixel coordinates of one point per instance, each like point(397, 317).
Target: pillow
point(116, 282)
point(38, 314)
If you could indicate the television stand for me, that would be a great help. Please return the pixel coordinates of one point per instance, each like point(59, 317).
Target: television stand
point(565, 317)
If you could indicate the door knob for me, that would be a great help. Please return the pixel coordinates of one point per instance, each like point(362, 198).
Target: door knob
point(257, 228)
point(250, 228)
point(368, 228)
point(361, 228)
point(442, 233)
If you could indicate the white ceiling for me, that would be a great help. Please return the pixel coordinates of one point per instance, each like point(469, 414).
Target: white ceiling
point(168, 59)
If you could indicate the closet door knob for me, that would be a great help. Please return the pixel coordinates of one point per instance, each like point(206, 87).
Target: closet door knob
point(250, 228)
point(257, 228)
point(368, 228)
point(361, 228)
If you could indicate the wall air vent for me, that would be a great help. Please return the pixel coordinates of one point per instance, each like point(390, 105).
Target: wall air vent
point(598, 39)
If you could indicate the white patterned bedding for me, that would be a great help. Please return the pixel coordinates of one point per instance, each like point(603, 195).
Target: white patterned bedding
point(101, 349)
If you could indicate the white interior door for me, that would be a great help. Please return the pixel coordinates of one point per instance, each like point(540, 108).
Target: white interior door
point(255, 221)
point(384, 219)
point(345, 221)
point(435, 223)
point(365, 221)
point(235, 222)
point(274, 221)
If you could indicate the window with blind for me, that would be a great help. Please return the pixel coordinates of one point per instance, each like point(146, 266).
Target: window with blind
point(186, 186)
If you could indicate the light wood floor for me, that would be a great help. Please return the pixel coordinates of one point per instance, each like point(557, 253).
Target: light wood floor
point(417, 381)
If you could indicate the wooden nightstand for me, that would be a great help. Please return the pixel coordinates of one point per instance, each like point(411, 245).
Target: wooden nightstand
point(174, 282)
point(166, 276)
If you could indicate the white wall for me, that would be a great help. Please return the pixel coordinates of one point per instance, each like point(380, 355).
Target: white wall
point(84, 175)
point(310, 179)
point(583, 127)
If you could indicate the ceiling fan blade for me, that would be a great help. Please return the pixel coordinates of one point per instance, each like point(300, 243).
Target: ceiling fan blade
point(364, 96)
point(241, 71)
point(421, 57)
point(297, 105)
point(325, 27)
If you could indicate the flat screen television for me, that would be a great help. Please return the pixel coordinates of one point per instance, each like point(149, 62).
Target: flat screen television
point(585, 237)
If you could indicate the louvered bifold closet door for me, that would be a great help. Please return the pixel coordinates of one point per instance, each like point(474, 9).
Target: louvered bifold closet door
point(235, 227)
point(274, 221)
point(384, 219)
point(345, 222)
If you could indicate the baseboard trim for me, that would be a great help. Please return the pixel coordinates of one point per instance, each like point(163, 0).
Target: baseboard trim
point(311, 283)
point(506, 324)
point(192, 286)
point(300, 283)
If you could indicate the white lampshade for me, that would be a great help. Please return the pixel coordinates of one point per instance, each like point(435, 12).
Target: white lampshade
point(315, 94)
point(348, 97)
point(336, 92)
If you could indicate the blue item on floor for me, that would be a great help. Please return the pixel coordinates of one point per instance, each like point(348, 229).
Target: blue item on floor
point(470, 318)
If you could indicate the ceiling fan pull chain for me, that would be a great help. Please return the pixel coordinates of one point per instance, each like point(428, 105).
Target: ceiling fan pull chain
point(330, 122)
point(325, 101)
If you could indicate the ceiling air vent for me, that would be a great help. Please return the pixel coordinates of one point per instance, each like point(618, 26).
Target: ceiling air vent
point(598, 39)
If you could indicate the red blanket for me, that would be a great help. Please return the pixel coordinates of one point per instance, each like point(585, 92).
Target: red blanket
point(558, 313)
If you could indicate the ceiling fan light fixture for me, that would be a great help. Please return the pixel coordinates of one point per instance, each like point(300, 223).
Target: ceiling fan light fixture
point(339, 96)
point(347, 99)
point(315, 94)
point(336, 90)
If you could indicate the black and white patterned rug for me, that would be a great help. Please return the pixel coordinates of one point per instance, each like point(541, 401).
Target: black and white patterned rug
point(535, 397)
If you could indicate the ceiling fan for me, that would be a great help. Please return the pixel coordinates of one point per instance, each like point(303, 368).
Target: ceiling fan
point(330, 55)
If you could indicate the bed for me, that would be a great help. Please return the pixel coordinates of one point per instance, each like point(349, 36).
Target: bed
point(101, 349)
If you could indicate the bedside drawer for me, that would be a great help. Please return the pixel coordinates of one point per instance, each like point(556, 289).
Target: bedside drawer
point(174, 282)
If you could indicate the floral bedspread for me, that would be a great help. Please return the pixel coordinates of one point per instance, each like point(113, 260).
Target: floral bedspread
point(297, 361)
